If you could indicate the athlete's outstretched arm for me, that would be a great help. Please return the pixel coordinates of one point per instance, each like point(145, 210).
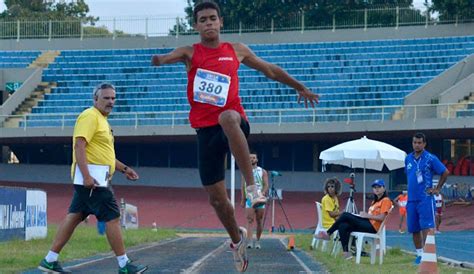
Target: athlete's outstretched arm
point(274, 72)
point(182, 54)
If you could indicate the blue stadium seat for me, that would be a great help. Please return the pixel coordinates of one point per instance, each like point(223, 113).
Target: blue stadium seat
point(347, 74)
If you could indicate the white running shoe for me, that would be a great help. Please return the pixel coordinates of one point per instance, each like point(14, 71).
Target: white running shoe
point(241, 261)
point(257, 245)
point(256, 198)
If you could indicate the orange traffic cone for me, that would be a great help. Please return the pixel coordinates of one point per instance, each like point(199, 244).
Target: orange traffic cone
point(428, 259)
point(291, 243)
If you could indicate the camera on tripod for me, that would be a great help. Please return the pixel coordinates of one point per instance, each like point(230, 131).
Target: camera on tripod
point(350, 181)
point(350, 206)
point(275, 195)
point(275, 173)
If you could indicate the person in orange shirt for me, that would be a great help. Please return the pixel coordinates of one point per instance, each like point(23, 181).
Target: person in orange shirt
point(401, 201)
point(369, 222)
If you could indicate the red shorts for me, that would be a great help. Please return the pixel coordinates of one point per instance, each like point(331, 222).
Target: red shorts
point(402, 211)
point(439, 211)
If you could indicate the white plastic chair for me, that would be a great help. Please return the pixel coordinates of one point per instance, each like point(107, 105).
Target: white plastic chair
point(319, 228)
point(376, 241)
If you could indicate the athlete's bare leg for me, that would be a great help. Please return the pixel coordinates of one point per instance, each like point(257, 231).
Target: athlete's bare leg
point(223, 208)
point(250, 215)
point(259, 220)
point(230, 120)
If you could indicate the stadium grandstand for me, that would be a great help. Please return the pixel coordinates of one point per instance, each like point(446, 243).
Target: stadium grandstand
point(385, 73)
point(384, 83)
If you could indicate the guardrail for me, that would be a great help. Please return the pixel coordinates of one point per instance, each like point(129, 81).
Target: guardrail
point(274, 116)
point(164, 26)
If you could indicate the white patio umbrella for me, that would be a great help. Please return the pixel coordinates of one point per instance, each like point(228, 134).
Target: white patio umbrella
point(364, 153)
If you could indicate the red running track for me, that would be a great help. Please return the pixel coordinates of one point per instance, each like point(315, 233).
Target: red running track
point(189, 207)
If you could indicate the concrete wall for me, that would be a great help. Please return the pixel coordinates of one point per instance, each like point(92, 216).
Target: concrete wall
point(14, 75)
point(178, 177)
point(458, 91)
point(438, 85)
point(248, 38)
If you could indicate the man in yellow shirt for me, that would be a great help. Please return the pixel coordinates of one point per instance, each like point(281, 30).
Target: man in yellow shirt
point(330, 203)
point(93, 143)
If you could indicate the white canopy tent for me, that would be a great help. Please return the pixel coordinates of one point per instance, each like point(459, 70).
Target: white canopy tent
point(364, 153)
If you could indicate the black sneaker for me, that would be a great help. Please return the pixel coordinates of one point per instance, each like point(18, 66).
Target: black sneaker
point(53, 267)
point(130, 268)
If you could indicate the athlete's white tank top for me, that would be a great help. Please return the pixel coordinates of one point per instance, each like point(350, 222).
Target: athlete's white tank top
point(258, 177)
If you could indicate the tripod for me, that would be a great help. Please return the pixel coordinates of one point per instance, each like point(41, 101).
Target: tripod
point(351, 206)
point(273, 195)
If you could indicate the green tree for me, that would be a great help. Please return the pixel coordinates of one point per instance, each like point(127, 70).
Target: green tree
point(286, 14)
point(449, 8)
point(65, 17)
point(46, 10)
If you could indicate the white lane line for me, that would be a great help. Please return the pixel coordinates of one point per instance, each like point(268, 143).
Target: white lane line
point(303, 265)
point(129, 251)
point(197, 264)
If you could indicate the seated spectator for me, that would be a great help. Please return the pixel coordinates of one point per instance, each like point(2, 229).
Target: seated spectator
point(369, 222)
point(330, 203)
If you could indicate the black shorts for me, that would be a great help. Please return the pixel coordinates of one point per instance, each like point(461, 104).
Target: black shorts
point(102, 203)
point(212, 150)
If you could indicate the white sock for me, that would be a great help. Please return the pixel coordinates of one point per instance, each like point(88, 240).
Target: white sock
point(419, 252)
point(51, 257)
point(122, 260)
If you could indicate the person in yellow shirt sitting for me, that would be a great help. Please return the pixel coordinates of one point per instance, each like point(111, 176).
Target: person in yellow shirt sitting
point(330, 203)
point(369, 222)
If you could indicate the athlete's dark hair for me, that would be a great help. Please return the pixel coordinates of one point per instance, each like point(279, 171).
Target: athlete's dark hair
point(205, 5)
point(420, 135)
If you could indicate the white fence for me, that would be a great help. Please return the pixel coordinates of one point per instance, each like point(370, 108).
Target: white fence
point(163, 26)
point(270, 116)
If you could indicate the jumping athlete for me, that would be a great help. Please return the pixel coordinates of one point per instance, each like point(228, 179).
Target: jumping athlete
point(217, 113)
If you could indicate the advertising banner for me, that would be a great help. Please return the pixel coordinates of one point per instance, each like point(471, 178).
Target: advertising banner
point(36, 215)
point(130, 217)
point(12, 213)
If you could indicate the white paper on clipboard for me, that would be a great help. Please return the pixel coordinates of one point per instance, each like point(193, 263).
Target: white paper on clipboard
point(99, 172)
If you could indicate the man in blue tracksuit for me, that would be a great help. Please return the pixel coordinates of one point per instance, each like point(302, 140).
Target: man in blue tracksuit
point(420, 166)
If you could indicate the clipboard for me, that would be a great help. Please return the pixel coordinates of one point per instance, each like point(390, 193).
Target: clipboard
point(99, 172)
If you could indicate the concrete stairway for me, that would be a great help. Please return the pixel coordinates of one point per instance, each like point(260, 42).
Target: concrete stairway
point(44, 59)
point(27, 105)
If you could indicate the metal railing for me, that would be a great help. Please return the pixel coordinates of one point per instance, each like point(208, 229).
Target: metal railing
point(164, 26)
point(278, 117)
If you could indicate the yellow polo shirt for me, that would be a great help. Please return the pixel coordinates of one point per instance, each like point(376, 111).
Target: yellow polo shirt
point(328, 204)
point(94, 127)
